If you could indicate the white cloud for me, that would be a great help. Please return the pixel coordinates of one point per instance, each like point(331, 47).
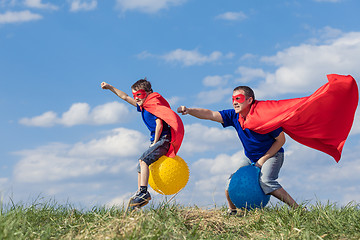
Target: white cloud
point(7, 3)
point(222, 164)
point(356, 124)
point(305, 67)
point(213, 81)
point(82, 5)
point(214, 96)
point(173, 101)
point(47, 119)
point(144, 54)
point(193, 57)
point(249, 74)
point(232, 16)
point(81, 113)
point(18, 17)
point(210, 175)
point(188, 57)
point(200, 138)
point(39, 4)
point(112, 154)
point(147, 6)
point(310, 175)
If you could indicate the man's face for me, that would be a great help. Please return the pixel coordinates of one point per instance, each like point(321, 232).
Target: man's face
point(140, 96)
point(240, 103)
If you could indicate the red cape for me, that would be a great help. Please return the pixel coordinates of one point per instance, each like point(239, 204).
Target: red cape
point(321, 121)
point(158, 106)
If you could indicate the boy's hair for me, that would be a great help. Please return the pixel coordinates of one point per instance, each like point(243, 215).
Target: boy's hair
point(248, 92)
point(142, 84)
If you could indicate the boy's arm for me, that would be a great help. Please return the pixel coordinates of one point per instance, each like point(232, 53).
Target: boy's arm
point(119, 93)
point(158, 130)
point(279, 142)
point(201, 113)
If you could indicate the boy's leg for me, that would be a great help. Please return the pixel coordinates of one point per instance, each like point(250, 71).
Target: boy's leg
point(144, 174)
point(150, 156)
point(142, 196)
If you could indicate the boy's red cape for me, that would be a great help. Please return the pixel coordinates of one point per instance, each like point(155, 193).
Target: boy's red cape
point(321, 121)
point(158, 106)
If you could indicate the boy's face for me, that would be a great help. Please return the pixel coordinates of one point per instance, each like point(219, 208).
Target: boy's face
point(240, 103)
point(140, 96)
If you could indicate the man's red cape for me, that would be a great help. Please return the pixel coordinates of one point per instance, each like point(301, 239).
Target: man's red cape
point(158, 106)
point(321, 121)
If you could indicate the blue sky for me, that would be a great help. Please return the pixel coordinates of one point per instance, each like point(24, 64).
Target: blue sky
point(64, 138)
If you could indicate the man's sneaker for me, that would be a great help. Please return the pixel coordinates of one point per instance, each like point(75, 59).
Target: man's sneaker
point(139, 200)
point(231, 212)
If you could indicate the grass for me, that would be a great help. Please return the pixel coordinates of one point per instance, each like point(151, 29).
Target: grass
point(49, 220)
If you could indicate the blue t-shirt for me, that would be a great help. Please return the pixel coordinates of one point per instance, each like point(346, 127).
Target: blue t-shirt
point(149, 120)
point(255, 144)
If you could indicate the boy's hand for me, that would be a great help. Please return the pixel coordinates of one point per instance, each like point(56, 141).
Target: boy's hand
point(105, 85)
point(183, 110)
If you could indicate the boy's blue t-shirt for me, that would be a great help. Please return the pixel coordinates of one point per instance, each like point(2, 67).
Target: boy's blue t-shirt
point(149, 120)
point(255, 144)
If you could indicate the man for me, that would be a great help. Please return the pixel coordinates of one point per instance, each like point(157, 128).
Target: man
point(265, 150)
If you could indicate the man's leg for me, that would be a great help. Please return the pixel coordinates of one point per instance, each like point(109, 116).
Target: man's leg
point(231, 205)
point(282, 195)
point(268, 179)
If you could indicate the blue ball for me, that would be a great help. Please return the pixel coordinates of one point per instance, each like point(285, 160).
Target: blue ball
point(244, 188)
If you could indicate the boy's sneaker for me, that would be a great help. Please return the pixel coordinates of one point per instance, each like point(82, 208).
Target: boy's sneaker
point(139, 200)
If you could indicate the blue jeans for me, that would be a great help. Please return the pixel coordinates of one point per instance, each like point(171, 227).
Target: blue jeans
point(269, 172)
point(153, 153)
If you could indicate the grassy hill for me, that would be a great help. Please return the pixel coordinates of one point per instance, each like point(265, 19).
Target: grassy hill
point(54, 221)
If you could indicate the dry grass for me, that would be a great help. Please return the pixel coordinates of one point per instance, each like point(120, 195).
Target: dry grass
point(51, 221)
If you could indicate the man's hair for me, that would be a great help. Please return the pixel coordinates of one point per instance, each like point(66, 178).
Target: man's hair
point(248, 92)
point(142, 84)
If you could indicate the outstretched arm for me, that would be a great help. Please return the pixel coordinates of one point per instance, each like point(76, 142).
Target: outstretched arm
point(201, 113)
point(119, 93)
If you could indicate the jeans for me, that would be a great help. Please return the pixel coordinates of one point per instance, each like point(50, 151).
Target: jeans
point(154, 152)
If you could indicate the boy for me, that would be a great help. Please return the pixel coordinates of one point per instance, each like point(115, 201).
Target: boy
point(166, 130)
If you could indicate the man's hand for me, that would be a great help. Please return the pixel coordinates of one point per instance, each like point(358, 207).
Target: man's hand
point(105, 85)
point(258, 165)
point(183, 110)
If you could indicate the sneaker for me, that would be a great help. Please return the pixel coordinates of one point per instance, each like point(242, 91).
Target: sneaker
point(139, 200)
point(231, 212)
point(134, 195)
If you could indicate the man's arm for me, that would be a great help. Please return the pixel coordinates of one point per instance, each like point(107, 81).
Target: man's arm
point(279, 142)
point(119, 93)
point(201, 113)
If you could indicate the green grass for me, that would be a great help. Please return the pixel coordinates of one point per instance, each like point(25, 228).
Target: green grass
point(49, 220)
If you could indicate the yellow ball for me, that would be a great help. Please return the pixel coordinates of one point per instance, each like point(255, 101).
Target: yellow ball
point(168, 175)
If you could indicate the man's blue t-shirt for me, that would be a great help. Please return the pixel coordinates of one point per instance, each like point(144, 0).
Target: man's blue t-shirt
point(149, 120)
point(255, 144)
